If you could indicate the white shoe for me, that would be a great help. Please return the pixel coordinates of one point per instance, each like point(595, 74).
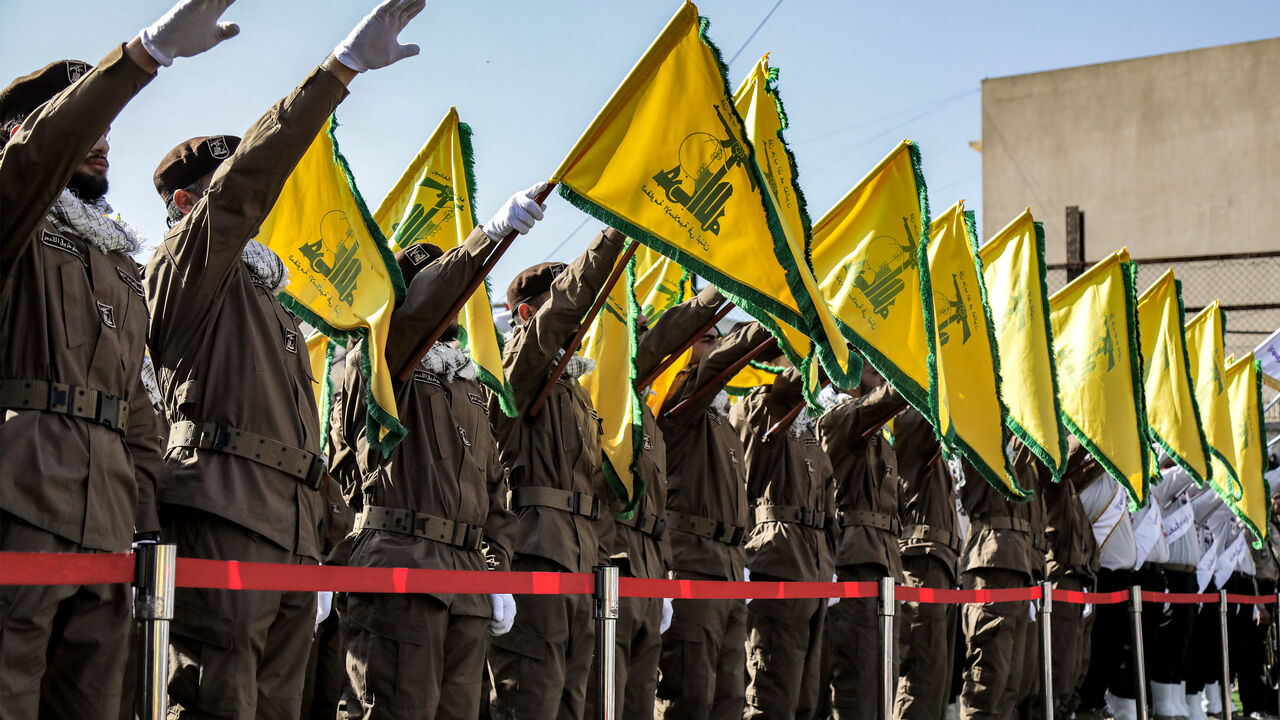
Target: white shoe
point(1195, 710)
point(1167, 701)
point(1212, 702)
point(1122, 708)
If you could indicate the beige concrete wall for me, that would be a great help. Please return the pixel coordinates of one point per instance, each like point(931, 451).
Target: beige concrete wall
point(1170, 155)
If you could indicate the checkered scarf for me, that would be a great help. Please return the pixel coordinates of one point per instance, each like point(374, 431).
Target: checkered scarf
point(447, 363)
point(90, 221)
point(265, 265)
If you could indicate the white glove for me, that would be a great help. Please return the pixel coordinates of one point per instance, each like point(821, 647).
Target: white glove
point(374, 43)
point(1088, 610)
point(666, 616)
point(746, 577)
point(834, 600)
point(518, 213)
point(504, 613)
point(1031, 610)
point(189, 28)
point(324, 604)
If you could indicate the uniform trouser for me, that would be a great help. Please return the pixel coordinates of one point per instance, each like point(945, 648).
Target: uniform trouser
point(235, 653)
point(995, 635)
point(1166, 629)
point(784, 651)
point(927, 643)
point(638, 647)
point(407, 657)
point(702, 671)
point(1245, 638)
point(1070, 648)
point(326, 672)
point(1204, 661)
point(61, 646)
point(853, 643)
point(1111, 662)
point(540, 668)
point(1029, 693)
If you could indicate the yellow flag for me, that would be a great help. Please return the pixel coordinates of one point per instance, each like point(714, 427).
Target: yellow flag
point(1244, 392)
point(1204, 335)
point(756, 374)
point(661, 386)
point(758, 103)
point(965, 388)
point(667, 162)
point(1095, 345)
point(320, 352)
point(1172, 413)
point(660, 284)
point(865, 255)
point(611, 343)
point(434, 201)
point(1014, 271)
point(343, 279)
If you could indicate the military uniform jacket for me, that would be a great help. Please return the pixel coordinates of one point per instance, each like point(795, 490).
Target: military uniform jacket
point(782, 471)
point(72, 314)
point(1070, 538)
point(560, 447)
point(866, 476)
point(706, 465)
point(992, 543)
point(448, 464)
point(926, 496)
point(639, 553)
point(227, 350)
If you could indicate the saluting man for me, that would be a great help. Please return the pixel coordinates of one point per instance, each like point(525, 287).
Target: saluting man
point(79, 440)
point(558, 489)
point(244, 479)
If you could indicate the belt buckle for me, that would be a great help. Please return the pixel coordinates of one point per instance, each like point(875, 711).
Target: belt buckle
point(659, 527)
point(804, 516)
point(471, 537)
point(315, 474)
point(221, 436)
point(59, 396)
point(575, 504)
point(108, 411)
point(736, 538)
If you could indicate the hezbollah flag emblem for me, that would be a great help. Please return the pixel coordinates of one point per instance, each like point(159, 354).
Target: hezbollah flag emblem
point(1244, 391)
point(611, 342)
point(1204, 335)
point(1096, 348)
point(1014, 271)
point(667, 162)
point(433, 201)
point(343, 279)
point(865, 254)
point(965, 387)
point(1172, 413)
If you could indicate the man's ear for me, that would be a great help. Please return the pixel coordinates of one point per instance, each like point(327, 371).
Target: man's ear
point(186, 201)
point(525, 311)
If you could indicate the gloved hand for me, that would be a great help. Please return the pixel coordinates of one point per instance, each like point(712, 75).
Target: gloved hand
point(834, 600)
point(746, 577)
point(373, 43)
point(324, 605)
point(145, 538)
point(518, 213)
point(504, 613)
point(1031, 610)
point(666, 616)
point(189, 28)
point(1088, 610)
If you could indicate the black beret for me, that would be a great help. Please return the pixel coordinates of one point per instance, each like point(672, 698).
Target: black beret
point(415, 257)
point(533, 282)
point(29, 92)
point(192, 160)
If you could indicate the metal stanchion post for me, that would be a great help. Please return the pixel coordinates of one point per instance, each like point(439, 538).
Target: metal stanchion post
point(888, 682)
point(605, 601)
point(1226, 656)
point(152, 610)
point(1046, 644)
point(1139, 660)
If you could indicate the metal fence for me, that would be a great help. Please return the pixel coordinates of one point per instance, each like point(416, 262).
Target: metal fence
point(1247, 285)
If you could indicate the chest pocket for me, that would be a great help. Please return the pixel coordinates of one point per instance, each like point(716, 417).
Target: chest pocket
point(578, 425)
point(79, 312)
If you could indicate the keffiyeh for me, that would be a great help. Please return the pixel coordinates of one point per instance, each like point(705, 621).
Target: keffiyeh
point(73, 216)
point(447, 363)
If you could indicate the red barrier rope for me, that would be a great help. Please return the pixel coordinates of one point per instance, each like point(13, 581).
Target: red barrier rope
point(20, 568)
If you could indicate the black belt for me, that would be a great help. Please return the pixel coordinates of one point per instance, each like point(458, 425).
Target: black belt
point(650, 525)
point(1002, 522)
point(422, 525)
point(574, 503)
point(797, 514)
point(721, 532)
point(867, 518)
point(931, 534)
point(307, 467)
point(76, 401)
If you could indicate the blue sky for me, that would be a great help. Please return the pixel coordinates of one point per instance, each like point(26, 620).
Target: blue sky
point(856, 77)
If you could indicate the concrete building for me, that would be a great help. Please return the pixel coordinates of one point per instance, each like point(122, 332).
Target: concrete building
point(1175, 156)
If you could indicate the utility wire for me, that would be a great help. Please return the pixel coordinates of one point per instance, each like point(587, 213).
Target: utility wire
point(566, 239)
point(753, 32)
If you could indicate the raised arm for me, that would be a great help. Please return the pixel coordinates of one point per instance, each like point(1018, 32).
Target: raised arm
point(674, 328)
point(730, 350)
